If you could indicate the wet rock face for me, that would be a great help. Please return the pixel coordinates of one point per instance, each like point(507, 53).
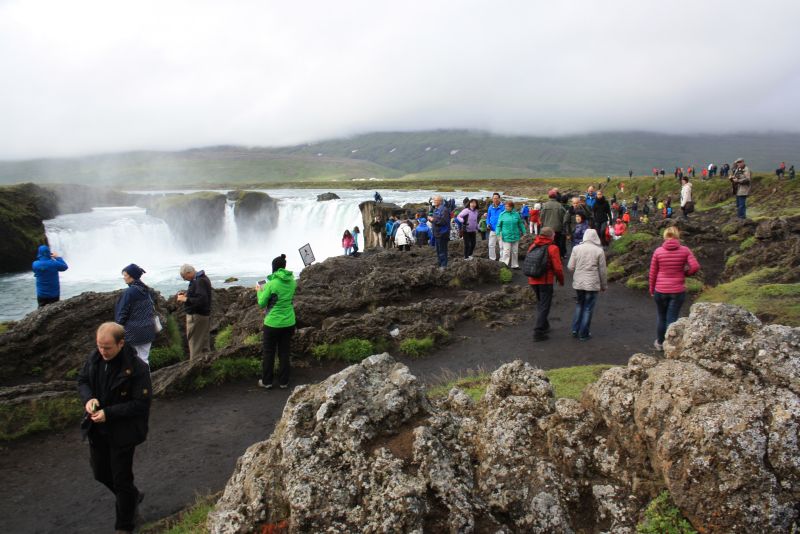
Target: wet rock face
point(370, 211)
point(327, 196)
point(196, 219)
point(22, 210)
point(255, 213)
point(716, 423)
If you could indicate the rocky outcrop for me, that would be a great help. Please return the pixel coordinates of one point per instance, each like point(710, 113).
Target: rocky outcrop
point(715, 423)
point(22, 210)
point(196, 219)
point(374, 216)
point(75, 198)
point(256, 213)
point(327, 196)
point(771, 243)
point(53, 341)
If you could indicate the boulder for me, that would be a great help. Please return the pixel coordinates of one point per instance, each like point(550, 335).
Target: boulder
point(22, 210)
point(255, 213)
point(374, 216)
point(715, 423)
point(327, 196)
point(196, 219)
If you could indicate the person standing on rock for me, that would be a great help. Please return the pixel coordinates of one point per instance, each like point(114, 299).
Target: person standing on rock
point(356, 232)
point(687, 204)
point(469, 222)
point(740, 179)
point(377, 228)
point(114, 386)
point(46, 268)
point(588, 262)
point(543, 285)
point(197, 304)
point(511, 228)
point(135, 311)
point(347, 243)
point(441, 229)
point(492, 214)
point(670, 265)
point(277, 296)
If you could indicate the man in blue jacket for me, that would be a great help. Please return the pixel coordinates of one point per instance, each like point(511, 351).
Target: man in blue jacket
point(441, 229)
point(492, 216)
point(45, 269)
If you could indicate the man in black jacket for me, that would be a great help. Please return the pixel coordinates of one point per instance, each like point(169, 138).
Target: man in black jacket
point(115, 388)
point(197, 303)
point(601, 215)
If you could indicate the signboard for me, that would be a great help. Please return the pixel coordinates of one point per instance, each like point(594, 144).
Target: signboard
point(307, 254)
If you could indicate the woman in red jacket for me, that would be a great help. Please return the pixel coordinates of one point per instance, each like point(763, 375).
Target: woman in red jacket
point(670, 265)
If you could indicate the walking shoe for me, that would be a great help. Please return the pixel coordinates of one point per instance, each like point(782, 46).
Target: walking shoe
point(263, 385)
point(659, 346)
point(574, 334)
point(283, 386)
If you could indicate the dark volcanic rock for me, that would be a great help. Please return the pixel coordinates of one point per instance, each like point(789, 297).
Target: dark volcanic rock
point(56, 339)
point(372, 211)
point(196, 219)
point(327, 196)
point(22, 210)
point(256, 213)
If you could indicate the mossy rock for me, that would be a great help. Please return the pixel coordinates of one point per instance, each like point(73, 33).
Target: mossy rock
point(22, 210)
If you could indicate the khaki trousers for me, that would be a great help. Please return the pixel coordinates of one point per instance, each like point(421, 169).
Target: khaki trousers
point(198, 334)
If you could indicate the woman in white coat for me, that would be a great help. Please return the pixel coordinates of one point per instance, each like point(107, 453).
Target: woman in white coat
point(588, 263)
point(405, 236)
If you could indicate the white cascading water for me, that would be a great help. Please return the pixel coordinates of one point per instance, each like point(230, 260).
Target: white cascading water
point(97, 245)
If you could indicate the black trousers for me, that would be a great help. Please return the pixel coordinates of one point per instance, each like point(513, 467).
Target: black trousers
point(470, 238)
point(561, 243)
point(276, 340)
point(544, 298)
point(113, 467)
point(44, 301)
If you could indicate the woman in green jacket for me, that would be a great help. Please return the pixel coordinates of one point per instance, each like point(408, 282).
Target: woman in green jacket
point(511, 227)
point(276, 295)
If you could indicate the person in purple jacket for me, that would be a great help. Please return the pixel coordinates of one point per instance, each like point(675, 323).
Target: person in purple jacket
point(469, 219)
point(669, 267)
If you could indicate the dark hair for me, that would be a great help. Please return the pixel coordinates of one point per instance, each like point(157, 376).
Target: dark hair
point(355, 229)
point(493, 194)
point(279, 263)
point(471, 201)
point(347, 234)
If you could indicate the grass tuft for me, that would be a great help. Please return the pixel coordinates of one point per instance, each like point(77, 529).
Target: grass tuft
point(506, 275)
point(223, 339)
point(663, 517)
point(747, 243)
point(173, 353)
point(416, 348)
point(350, 350)
point(624, 243)
point(254, 339)
point(39, 416)
point(192, 520)
point(228, 369)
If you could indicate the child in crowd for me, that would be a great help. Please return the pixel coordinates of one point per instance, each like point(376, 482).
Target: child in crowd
point(347, 243)
point(619, 229)
point(580, 228)
point(535, 222)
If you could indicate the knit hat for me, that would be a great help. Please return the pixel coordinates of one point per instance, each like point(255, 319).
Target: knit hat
point(552, 193)
point(134, 271)
point(279, 263)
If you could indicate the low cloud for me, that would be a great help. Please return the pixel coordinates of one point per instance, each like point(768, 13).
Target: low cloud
point(88, 77)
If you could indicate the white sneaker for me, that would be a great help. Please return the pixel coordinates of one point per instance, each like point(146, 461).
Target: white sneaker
point(659, 346)
point(263, 385)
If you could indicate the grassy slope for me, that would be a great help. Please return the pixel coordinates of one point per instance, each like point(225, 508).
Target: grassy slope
point(413, 155)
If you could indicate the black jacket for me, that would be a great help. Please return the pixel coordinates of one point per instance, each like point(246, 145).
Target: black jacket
point(127, 398)
point(198, 297)
point(601, 212)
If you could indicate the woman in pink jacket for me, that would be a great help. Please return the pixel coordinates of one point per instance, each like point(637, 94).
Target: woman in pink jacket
point(670, 265)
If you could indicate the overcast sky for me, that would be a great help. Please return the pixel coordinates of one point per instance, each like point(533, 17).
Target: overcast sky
point(88, 77)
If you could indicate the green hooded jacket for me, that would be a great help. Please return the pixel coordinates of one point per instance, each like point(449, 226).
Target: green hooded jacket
point(511, 226)
point(279, 289)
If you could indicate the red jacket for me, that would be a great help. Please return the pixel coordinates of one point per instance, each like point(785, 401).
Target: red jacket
point(554, 267)
point(534, 216)
point(671, 263)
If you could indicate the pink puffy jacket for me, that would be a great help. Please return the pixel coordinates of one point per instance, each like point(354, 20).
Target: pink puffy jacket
point(668, 268)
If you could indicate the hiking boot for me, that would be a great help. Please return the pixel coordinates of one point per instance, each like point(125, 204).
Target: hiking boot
point(658, 346)
point(261, 384)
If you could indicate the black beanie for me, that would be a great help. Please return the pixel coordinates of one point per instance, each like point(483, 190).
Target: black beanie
point(279, 263)
point(134, 271)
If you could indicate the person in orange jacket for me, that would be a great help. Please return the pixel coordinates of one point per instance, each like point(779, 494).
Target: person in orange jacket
point(543, 285)
point(619, 229)
point(626, 218)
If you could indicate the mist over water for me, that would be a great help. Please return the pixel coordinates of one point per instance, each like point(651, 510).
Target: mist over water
point(97, 245)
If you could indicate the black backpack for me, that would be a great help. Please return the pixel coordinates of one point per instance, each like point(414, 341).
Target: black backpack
point(535, 264)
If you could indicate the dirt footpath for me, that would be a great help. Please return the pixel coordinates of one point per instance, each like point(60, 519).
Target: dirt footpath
point(194, 441)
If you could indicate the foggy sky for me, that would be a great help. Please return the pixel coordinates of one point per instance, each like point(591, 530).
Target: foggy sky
point(92, 77)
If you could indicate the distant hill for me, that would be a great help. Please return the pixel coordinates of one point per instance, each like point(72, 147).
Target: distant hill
point(430, 155)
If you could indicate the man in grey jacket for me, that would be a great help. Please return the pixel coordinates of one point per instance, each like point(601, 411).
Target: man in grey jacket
point(555, 215)
point(588, 263)
point(740, 178)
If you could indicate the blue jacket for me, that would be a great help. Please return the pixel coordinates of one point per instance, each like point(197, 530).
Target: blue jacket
point(591, 198)
point(135, 311)
point(441, 221)
point(525, 212)
point(492, 214)
point(46, 270)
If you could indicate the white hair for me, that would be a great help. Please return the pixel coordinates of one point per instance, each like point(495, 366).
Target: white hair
point(186, 269)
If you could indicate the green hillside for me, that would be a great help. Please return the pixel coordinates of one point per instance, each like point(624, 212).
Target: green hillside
point(430, 155)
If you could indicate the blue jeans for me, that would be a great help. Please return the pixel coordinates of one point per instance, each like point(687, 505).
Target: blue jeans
point(584, 306)
point(668, 307)
point(741, 206)
point(441, 249)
